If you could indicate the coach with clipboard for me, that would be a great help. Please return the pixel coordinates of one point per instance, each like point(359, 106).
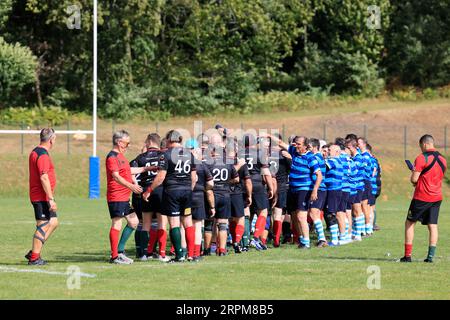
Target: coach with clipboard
point(426, 176)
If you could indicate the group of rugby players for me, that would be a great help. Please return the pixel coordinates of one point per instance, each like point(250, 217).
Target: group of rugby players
point(210, 189)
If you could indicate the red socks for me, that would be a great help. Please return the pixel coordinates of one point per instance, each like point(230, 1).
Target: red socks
point(260, 226)
point(239, 232)
point(190, 240)
point(197, 248)
point(114, 242)
point(162, 242)
point(34, 256)
point(233, 230)
point(277, 232)
point(153, 236)
point(408, 250)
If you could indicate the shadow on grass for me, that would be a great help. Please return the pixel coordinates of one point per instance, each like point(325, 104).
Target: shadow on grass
point(83, 257)
point(361, 258)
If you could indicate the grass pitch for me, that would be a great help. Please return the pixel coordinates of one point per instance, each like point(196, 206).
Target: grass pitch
point(283, 273)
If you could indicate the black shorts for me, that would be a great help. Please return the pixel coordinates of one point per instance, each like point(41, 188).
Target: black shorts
point(300, 200)
point(367, 191)
point(344, 202)
point(372, 199)
point(136, 205)
point(425, 212)
point(357, 198)
point(320, 202)
point(42, 211)
point(237, 205)
point(333, 200)
point(176, 203)
point(198, 205)
point(260, 201)
point(282, 199)
point(119, 209)
point(222, 204)
point(154, 203)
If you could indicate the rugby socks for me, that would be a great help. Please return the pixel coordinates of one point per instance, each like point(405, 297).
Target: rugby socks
point(334, 230)
point(175, 238)
point(239, 232)
point(138, 241)
point(276, 232)
point(431, 252)
point(197, 249)
point(354, 227)
point(151, 240)
point(286, 227)
point(319, 230)
point(360, 225)
point(114, 242)
point(347, 226)
point(305, 242)
point(190, 240)
point(260, 226)
point(35, 256)
point(408, 250)
point(233, 231)
point(162, 242)
point(126, 233)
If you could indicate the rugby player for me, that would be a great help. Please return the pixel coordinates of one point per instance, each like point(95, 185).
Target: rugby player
point(367, 194)
point(151, 209)
point(376, 187)
point(42, 183)
point(119, 185)
point(177, 173)
point(333, 181)
point(357, 178)
point(258, 167)
point(316, 206)
point(344, 209)
point(224, 174)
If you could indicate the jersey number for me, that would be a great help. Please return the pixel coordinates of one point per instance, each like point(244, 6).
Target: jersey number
point(152, 164)
point(220, 174)
point(250, 163)
point(180, 167)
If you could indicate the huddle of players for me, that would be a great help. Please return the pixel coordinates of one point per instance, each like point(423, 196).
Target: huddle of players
point(215, 185)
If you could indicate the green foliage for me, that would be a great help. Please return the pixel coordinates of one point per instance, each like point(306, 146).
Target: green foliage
point(51, 116)
point(17, 70)
point(5, 10)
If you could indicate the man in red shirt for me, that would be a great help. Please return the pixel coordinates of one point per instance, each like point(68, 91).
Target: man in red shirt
point(42, 180)
point(427, 175)
point(119, 185)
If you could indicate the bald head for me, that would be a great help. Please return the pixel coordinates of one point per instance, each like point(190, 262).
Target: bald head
point(335, 150)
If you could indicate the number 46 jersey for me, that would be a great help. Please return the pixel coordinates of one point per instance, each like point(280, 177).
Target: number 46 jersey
point(179, 163)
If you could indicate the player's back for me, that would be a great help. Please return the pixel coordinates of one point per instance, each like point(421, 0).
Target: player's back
point(256, 161)
point(151, 158)
point(178, 163)
point(222, 173)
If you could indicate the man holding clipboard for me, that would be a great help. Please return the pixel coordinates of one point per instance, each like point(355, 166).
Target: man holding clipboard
point(426, 176)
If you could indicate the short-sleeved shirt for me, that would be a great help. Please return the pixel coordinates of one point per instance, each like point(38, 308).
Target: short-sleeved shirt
point(353, 178)
point(256, 161)
point(243, 173)
point(178, 162)
point(429, 185)
point(222, 173)
point(360, 171)
point(321, 163)
point(375, 173)
point(367, 164)
point(116, 162)
point(302, 169)
point(280, 167)
point(151, 158)
point(203, 175)
point(345, 161)
point(334, 175)
point(39, 163)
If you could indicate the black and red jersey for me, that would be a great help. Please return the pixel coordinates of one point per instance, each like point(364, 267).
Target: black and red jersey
point(116, 162)
point(39, 163)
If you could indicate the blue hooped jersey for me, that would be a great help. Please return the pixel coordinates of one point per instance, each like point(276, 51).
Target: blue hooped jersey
point(321, 163)
point(346, 170)
point(302, 169)
point(368, 165)
point(353, 176)
point(335, 174)
point(360, 171)
point(373, 179)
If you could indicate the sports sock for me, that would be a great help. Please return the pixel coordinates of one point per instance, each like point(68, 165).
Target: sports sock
point(334, 230)
point(319, 230)
point(354, 228)
point(239, 231)
point(114, 241)
point(408, 250)
point(175, 238)
point(144, 236)
point(286, 226)
point(431, 252)
point(374, 217)
point(138, 241)
point(361, 225)
point(126, 233)
point(162, 242)
point(190, 240)
point(197, 249)
point(260, 226)
point(152, 239)
point(35, 256)
point(305, 241)
point(233, 231)
point(246, 236)
point(276, 232)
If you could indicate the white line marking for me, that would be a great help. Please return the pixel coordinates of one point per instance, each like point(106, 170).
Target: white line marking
point(57, 273)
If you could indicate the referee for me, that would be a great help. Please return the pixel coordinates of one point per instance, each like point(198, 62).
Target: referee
point(426, 177)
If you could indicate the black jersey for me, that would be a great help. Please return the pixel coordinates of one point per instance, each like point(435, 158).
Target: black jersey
point(256, 160)
point(203, 175)
point(222, 173)
point(179, 163)
point(151, 158)
point(280, 167)
point(243, 175)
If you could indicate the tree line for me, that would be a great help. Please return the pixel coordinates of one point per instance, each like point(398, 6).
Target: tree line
point(181, 57)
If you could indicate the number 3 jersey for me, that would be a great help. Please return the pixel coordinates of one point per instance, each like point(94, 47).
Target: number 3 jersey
point(151, 158)
point(179, 163)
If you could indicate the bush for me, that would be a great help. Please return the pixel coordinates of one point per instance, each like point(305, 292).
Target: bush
point(405, 94)
point(51, 116)
point(17, 70)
